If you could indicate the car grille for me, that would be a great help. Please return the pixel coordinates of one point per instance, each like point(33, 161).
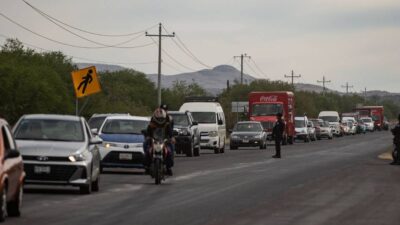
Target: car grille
point(57, 172)
point(268, 125)
point(113, 157)
point(203, 133)
point(46, 158)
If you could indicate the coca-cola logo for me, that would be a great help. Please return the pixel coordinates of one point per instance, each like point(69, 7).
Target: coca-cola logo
point(271, 98)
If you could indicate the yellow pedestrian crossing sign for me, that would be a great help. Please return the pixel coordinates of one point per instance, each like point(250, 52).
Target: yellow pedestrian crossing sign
point(85, 82)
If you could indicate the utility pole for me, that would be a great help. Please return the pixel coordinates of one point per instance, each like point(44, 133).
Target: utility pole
point(347, 86)
point(365, 94)
point(323, 83)
point(293, 76)
point(159, 35)
point(242, 56)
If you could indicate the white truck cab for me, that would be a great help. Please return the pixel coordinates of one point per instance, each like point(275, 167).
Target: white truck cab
point(334, 121)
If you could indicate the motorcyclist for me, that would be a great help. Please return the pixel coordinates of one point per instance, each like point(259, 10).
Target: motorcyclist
point(396, 141)
point(160, 120)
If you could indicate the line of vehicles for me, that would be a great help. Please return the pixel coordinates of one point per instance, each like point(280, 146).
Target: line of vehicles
point(45, 149)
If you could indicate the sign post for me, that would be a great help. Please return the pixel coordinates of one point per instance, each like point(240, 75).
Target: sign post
point(85, 83)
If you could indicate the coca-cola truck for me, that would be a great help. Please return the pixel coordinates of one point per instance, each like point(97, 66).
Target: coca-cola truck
point(263, 107)
point(375, 112)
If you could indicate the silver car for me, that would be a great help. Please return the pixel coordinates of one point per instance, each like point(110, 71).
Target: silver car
point(59, 149)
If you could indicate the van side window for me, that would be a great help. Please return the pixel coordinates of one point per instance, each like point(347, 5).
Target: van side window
point(220, 118)
point(6, 140)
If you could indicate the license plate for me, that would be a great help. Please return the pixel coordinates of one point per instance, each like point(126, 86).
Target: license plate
point(125, 156)
point(42, 169)
point(245, 141)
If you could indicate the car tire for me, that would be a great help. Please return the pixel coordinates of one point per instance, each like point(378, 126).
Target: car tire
point(190, 150)
point(216, 150)
point(232, 147)
point(14, 207)
point(222, 150)
point(3, 204)
point(196, 151)
point(95, 184)
point(86, 189)
point(290, 140)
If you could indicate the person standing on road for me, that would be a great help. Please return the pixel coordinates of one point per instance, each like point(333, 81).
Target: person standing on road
point(277, 134)
point(396, 142)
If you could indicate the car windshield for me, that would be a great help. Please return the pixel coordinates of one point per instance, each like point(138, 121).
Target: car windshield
point(204, 117)
point(266, 109)
point(49, 130)
point(329, 118)
point(250, 127)
point(96, 122)
point(316, 123)
point(123, 126)
point(366, 120)
point(180, 120)
point(299, 123)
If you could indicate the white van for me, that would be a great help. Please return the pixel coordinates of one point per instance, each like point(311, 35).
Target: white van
point(211, 121)
point(333, 118)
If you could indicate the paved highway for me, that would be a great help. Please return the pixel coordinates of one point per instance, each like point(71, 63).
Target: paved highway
point(338, 181)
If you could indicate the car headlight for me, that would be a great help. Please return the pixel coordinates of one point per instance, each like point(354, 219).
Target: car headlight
point(258, 136)
point(213, 133)
point(184, 132)
point(77, 157)
point(107, 145)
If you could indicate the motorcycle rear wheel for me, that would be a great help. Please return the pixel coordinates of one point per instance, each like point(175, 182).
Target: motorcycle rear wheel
point(157, 171)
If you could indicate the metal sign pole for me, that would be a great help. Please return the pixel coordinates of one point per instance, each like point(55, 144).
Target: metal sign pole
point(76, 107)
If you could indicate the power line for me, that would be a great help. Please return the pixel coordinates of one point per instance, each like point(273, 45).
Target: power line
point(258, 68)
point(252, 69)
point(83, 58)
point(67, 44)
point(186, 50)
point(85, 31)
point(82, 37)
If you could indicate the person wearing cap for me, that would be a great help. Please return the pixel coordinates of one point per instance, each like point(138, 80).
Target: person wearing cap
point(277, 134)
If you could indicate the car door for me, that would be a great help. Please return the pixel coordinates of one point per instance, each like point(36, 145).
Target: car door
point(12, 166)
point(94, 149)
point(195, 130)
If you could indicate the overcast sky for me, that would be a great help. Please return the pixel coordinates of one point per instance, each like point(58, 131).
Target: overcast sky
point(354, 41)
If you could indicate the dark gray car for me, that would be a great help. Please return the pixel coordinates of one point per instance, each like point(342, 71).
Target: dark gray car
point(248, 134)
point(188, 135)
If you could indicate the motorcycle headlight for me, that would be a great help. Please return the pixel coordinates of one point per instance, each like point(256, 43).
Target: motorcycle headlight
point(77, 157)
point(213, 133)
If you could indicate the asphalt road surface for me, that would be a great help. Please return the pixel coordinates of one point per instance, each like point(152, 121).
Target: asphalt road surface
point(340, 181)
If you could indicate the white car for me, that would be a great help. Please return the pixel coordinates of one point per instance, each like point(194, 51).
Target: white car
point(369, 123)
point(301, 128)
point(123, 142)
point(333, 118)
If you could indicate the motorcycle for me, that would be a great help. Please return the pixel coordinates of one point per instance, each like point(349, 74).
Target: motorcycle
point(159, 151)
point(396, 155)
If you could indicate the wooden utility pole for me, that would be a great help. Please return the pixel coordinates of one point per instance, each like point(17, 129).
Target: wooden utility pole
point(323, 83)
point(242, 56)
point(347, 86)
point(159, 35)
point(293, 76)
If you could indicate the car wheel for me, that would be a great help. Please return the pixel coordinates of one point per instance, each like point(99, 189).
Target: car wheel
point(14, 207)
point(189, 151)
point(86, 189)
point(232, 147)
point(216, 150)
point(3, 204)
point(196, 151)
point(95, 184)
point(222, 150)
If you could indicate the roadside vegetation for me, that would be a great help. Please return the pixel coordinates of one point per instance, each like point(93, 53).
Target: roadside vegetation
point(40, 82)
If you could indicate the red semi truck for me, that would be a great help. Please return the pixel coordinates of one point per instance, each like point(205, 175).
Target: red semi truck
point(375, 112)
point(263, 107)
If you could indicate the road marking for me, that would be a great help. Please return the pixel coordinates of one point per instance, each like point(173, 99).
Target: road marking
point(386, 156)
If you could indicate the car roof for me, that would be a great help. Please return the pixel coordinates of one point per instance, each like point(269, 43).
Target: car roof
point(248, 122)
point(3, 121)
point(178, 112)
point(128, 117)
point(52, 116)
point(109, 114)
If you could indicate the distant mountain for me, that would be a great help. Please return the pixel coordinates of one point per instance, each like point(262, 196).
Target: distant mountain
point(213, 80)
point(311, 88)
point(101, 67)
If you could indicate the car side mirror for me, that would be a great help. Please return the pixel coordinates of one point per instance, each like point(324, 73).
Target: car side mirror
point(194, 123)
point(96, 141)
point(175, 133)
point(95, 131)
point(12, 154)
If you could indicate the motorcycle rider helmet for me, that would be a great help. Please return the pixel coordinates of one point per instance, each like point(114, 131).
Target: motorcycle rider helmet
point(159, 116)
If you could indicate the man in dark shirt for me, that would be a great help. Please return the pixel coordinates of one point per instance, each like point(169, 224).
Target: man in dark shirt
point(277, 134)
point(396, 142)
